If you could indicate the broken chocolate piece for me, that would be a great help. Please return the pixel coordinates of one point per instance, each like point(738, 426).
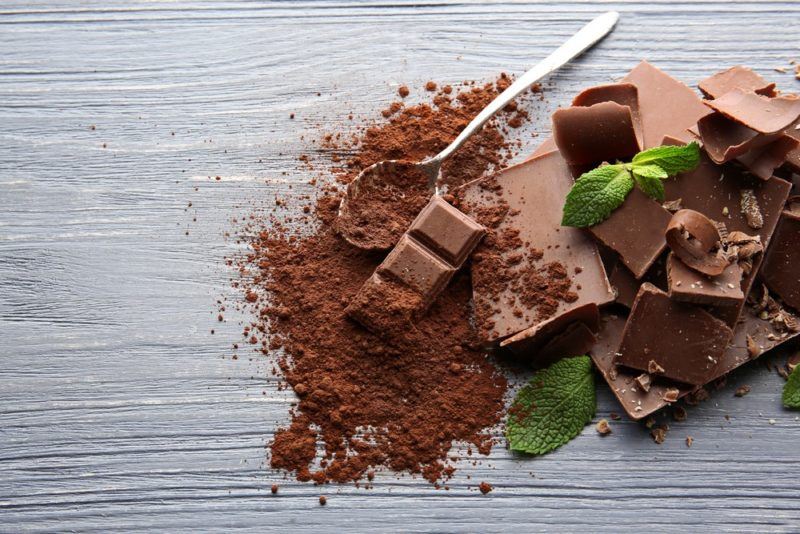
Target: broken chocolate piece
point(781, 270)
point(624, 94)
point(528, 246)
point(635, 231)
point(763, 114)
point(417, 269)
point(626, 286)
point(694, 238)
point(725, 139)
point(684, 340)
point(687, 285)
point(737, 77)
point(763, 161)
point(597, 133)
point(667, 106)
point(636, 402)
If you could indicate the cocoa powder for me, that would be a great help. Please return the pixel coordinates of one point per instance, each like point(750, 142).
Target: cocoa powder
point(397, 401)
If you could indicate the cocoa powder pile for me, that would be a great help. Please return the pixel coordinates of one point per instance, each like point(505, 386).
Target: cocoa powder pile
point(367, 401)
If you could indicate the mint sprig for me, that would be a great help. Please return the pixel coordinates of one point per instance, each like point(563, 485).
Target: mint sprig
point(791, 390)
point(553, 407)
point(597, 193)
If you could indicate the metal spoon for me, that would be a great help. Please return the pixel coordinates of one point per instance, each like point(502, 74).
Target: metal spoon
point(371, 176)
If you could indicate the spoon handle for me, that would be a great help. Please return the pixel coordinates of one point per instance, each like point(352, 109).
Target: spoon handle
point(575, 46)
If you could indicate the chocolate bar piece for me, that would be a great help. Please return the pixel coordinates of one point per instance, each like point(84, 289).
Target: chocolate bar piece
point(781, 270)
point(667, 106)
point(624, 94)
point(626, 286)
point(763, 114)
point(635, 400)
point(530, 271)
point(688, 285)
point(417, 269)
point(635, 231)
point(679, 341)
point(737, 77)
point(597, 133)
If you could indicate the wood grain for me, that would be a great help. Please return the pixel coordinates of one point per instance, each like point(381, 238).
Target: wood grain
point(119, 410)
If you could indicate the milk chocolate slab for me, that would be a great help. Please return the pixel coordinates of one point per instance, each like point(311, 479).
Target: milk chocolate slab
point(688, 285)
point(636, 402)
point(682, 342)
point(763, 114)
point(781, 270)
point(624, 94)
point(635, 231)
point(597, 133)
point(446, 231)
point(530, 197)
point(763, 161)
point(667, 106)
point(417, 269)
point(737, 77)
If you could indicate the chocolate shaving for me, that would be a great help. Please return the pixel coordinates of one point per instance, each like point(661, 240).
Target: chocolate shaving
point(692, 237)
point(644, 381)
point(761, 114)
point(653, 368)
point(671, 395)
point(737, 77)
point(593, 134)
point(603, 428)
point(673, 205)
point(750, 209)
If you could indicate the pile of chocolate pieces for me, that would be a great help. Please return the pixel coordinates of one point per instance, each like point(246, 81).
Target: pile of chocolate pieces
point(666, 297)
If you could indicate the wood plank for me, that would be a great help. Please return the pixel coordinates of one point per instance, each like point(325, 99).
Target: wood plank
point(119, 410)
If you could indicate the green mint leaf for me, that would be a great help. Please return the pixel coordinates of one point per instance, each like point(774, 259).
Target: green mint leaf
point(652, 186)
point(673, 159)
point(791, 391)
point(596, 194)
point(553, 407)
point(650, 171)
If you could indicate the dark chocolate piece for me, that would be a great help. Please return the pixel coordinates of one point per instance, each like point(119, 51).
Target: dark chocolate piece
point(781, 270)
point(528, 237)
point(635, 231)
point(417, 269)
point(763, 114)
point(667, 106)
point(635, 400)
point(737, 77)
point(593, 134)
point(679, 341)
point(694, 238)
point(688, 285)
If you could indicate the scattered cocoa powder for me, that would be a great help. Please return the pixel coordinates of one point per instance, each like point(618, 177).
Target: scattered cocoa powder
point(367, 401)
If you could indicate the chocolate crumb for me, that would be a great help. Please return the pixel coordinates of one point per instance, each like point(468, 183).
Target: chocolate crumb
point(689, 441)
point(603, 428)
point(679, 414)
point(485, 487)
point(403, 91)
point(659, 434)
point(750, 209)
point(644, 382)
point(742, 391)
point(430, 86)
point(274, 489)
point(653, 368)
point(671, 395)
point(323, 500)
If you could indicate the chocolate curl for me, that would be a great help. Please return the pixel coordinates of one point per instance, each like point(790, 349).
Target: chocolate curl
point(737, 77)
point(593, 134)
point(624, 94)
point(762, 114)
point(693, 237)
point(724, 139)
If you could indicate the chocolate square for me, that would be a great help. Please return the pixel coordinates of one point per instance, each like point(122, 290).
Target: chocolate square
point(446, 231)
point(411, 263)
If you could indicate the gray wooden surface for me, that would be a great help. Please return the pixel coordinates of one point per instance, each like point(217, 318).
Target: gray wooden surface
point(119, 410)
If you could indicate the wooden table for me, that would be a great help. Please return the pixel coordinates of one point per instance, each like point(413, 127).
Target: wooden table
point(119, 410)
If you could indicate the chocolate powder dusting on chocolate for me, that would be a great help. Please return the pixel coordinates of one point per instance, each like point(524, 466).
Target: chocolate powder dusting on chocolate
point(399, 400)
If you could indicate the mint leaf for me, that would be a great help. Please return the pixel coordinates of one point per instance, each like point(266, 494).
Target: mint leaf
point(673, 159)
point(649, 171)
point(553, 407)
point(651, 185)
point(596, 194)
point(791, 391)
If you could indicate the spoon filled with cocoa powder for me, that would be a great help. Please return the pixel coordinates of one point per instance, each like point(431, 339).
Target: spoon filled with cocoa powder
point(383, 200)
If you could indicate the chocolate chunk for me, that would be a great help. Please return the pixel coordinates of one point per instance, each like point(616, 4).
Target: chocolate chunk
point(637, 402)
point(417, 269)
point(725, 139)
point(685, 340)
point(763, 114)
point(626, 286)
point(763, 161)
point(446, 231)
point(694, 238)
point(687, 285)
point(624, 94)
point(557, 337)
point(667, 106)
point(781, 270)
point(411, 263)
point(635, 231)
point(737, 77)
point(593, 134)
point(530, 270)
